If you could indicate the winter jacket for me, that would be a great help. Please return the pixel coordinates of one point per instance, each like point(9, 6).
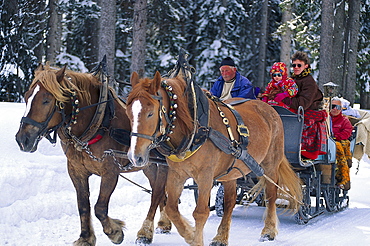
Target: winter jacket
point(309, 95)
point(242, 87)
point(286, 85)
point(341, 127)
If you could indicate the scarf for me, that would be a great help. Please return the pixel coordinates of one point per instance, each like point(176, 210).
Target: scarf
point(304, 73)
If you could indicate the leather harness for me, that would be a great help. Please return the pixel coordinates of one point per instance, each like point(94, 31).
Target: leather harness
point(199, 108)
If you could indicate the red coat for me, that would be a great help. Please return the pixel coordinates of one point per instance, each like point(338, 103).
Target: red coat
point(341, 127)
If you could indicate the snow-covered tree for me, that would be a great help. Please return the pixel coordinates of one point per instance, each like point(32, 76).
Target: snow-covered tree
point(19, 28)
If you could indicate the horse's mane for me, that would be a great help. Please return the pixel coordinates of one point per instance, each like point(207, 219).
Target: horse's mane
point(184, 120)
point(72, 81)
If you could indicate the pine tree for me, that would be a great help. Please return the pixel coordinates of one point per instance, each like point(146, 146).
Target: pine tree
point(20, 26)
point(363, 63)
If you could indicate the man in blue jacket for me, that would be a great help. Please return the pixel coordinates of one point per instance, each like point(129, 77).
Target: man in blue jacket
point(231, 83)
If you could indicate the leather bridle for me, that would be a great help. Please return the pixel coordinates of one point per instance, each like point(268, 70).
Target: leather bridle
point(43, 130)
point(169, 117)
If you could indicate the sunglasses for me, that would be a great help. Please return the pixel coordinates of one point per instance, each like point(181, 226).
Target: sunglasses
point(296, 65)
point(336, 107)
point(277, 75)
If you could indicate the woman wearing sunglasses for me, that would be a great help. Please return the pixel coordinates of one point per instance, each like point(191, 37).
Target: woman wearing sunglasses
point(310, 98)
point(280, 86)
point(341, 129)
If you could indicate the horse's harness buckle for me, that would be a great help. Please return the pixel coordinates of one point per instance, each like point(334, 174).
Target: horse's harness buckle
point(60, 105)
point(243, 130)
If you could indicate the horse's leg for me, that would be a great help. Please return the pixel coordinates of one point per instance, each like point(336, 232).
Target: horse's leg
point(270, 230)
point(164, 223)
point(157, 176)
point(201, 212)
point(222, 237)
point(81, 184)
point(111, 227)
point(174, 187)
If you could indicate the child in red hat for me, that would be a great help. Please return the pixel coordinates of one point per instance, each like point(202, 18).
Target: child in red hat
point(280, 86)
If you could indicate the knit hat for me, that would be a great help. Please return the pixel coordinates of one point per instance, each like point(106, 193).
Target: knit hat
point(227, 62)
point(279, 67)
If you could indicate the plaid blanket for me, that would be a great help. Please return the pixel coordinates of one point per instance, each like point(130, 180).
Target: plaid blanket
point(314, 135)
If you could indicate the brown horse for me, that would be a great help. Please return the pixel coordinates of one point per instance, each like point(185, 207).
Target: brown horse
point(66, 101)
point(159, 114)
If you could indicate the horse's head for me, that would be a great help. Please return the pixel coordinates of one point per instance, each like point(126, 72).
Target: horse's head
point(154, 107)
point(41, 107)
point(144, 112)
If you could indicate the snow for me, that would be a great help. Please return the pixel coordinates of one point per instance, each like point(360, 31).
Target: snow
point(74, 63)
point(10, 69)
point(38, 204)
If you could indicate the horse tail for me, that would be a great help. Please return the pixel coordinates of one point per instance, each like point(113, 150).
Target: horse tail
point(291, 185)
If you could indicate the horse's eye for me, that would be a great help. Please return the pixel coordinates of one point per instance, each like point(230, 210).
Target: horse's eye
point(150, 114)
point(46, 101)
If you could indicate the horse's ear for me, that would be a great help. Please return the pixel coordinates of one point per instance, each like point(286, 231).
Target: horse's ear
point(40, 67)
point(60, 74)
point(156, 83)
point(134, 79)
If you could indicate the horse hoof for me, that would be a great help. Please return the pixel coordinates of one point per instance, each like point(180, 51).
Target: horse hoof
point(116, 237)
point(266, 237)
point(162, 230)
point(143, 241)
point(85, 242)
point(214, 243)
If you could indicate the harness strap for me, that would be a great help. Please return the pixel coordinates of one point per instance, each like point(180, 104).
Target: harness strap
point(103, 113)
point(199, 109)
point(226, 145)
point(197, 104)
point(91, 130)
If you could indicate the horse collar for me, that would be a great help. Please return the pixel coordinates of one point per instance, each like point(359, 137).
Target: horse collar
point(173, 98)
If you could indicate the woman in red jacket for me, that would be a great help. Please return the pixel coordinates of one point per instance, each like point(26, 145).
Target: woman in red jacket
point(341, 130)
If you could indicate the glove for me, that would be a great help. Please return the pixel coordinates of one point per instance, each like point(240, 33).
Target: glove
point(280, 96)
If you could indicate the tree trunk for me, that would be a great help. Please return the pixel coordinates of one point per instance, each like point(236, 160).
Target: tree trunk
point(352, 39)
point(92, 41)
point(139, 37)
point(326, 42)
point(286, 37)
point(338, 45)
point(107, 33)
point(262, 46)
point(54, 37)
point(253, 34)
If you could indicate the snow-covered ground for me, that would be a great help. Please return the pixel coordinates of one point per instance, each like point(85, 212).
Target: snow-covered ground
point(38, 203)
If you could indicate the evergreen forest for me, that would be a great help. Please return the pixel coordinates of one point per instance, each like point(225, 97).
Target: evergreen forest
point(146, 36)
